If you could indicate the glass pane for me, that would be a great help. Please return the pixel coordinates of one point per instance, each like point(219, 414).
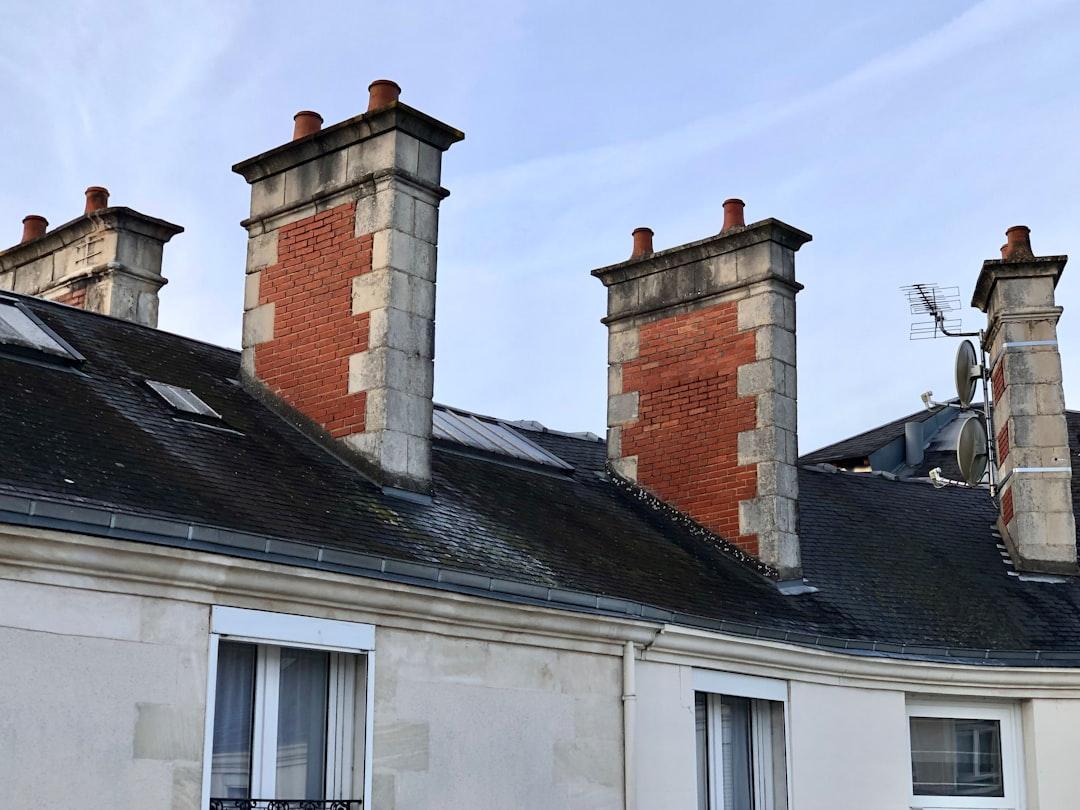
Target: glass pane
point(301, 753)
point(735, 752)
point(230, 768)
point(956, 757)
point(778, 740)
point(18, 329)
point(701, 726)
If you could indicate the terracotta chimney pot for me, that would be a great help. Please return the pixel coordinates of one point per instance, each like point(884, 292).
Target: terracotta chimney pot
point(1017, 247)
point(306, 122)
point(382, 93)
point(642, 242)
point(97, 197)
point(34, 226)
point(733, 214)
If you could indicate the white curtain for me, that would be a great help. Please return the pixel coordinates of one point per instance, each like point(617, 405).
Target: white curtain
point(301, 748)
point(230, 769)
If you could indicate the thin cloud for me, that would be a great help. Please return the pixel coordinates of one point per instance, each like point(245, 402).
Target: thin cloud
point(983, 23)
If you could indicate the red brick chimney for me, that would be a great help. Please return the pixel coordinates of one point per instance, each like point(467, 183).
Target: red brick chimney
point(701, 381)
point(108, 260)
point(339, 303)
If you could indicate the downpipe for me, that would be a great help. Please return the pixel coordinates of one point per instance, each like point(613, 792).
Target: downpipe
point(629, 702)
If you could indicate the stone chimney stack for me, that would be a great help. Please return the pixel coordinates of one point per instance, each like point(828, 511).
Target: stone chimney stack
point(339, 303)
point(1017, 294)
point(701, 381)
point(107, 261)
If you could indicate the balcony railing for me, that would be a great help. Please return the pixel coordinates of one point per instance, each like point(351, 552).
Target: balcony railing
point(286, 804)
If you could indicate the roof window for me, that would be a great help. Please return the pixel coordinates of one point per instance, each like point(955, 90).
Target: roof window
point(490, 435)
point(183, 399)
point(23, 333)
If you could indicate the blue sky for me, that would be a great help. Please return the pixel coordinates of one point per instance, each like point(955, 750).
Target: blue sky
point(904, 136)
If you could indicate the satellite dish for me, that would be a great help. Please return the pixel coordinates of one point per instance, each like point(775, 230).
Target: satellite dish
point(968, 373)
point(971, 451)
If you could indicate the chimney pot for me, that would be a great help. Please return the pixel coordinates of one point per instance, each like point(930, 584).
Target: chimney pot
point(733, 214)
point(97, 197)
point(642, 242)
point(1018, 244)
point(34, 225)
point(382, 93)
point(306, 122)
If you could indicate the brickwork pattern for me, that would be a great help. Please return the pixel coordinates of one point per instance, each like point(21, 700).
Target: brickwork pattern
point(307, 361)
point(1003, 443)
point(74, 297)
point(997, 380)
point(690, 416)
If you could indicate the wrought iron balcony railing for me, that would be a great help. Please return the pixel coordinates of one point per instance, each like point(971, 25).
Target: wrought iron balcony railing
point(286, 804)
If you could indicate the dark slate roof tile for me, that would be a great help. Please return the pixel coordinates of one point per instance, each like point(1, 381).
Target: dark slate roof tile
point(897, 565)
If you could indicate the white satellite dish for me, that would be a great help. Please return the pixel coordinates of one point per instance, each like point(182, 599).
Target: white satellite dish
point(971, 450)
point(968, 373)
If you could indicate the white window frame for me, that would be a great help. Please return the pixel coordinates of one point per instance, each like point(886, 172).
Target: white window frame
point(1012, 753)
point(271, 631)
point(715, 685)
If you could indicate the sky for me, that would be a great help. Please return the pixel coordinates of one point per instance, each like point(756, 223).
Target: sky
point(906, 137)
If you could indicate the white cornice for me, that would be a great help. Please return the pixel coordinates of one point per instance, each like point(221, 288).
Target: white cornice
point(131, 567)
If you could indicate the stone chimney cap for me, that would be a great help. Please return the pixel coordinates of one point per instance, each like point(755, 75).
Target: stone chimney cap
point(733, 214)
point(97, 197)
point(642, 242)
point(382, 93)
point(34, 226)
point(306, 122)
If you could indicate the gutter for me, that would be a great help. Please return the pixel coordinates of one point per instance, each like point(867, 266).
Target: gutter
point(46, 513)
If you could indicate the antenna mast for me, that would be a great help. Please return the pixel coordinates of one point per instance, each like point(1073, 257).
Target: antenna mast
point(937, 302)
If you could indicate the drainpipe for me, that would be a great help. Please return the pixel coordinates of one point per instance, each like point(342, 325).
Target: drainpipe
point(629, 701)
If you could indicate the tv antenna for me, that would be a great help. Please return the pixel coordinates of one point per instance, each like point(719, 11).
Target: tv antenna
point(975, 452)
point(937, 302)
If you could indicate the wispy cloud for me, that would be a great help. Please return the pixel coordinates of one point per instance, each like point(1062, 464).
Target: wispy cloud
point(98, 72)
point(985, 22)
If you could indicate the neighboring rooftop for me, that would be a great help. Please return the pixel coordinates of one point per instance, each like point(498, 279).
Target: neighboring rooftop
point(518, 512)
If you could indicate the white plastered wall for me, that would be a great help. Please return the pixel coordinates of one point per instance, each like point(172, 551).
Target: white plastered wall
point(478, 704)
point(101, 698)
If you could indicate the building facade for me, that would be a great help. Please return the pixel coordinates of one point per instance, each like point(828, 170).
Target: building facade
point(284, 577)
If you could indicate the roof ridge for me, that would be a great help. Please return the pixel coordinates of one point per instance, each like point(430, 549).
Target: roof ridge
point(35, 300)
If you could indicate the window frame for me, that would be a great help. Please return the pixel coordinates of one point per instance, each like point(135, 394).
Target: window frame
point(760, 690)
point(346, 641)
point(68, 354)
point(1012, 753)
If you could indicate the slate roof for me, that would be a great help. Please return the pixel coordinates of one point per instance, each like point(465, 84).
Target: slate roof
point(899, 568)
point(863, 445)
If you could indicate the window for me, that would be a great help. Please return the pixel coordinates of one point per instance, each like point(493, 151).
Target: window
point(964, 756)
point(183, 399)
point(23, 333)
point(741, 742)
point(288, 716)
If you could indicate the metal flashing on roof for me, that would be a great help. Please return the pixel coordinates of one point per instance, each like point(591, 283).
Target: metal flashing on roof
point(539, 427)
point(491, 436)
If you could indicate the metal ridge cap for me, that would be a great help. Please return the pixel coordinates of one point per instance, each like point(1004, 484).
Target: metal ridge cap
point(75, 516)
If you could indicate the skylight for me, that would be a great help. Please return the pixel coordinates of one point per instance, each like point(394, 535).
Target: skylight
point(183, 399)
point(490, 435)
point(21, 331)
